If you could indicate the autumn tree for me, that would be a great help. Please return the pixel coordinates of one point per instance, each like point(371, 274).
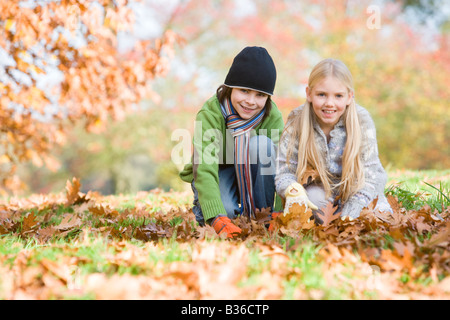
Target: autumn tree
point(60, 65)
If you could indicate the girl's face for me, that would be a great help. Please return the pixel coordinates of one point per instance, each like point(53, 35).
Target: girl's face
point(329, 99)
point(248, 103)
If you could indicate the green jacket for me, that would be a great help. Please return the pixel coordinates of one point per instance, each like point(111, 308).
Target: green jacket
point(217, 145)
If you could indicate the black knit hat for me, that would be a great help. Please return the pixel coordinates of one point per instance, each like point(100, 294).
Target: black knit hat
point(252, 68)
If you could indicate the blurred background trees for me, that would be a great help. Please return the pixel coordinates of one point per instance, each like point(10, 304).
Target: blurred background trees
point(61, 65)
point(397, 50)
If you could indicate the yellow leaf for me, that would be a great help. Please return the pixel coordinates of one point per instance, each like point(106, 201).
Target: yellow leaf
point(9, 24)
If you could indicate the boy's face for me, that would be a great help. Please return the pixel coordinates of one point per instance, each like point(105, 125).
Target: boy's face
point(248, 103)
point(329, 99)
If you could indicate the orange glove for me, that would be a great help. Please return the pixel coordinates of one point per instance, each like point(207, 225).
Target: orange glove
point(224, 225)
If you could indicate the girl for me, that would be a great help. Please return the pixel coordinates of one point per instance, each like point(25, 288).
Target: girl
point(332, 139)
point(232, 170)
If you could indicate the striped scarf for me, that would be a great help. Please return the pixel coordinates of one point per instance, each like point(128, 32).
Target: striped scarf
point(240, 130)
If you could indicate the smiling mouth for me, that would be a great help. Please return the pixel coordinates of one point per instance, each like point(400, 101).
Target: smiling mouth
point(247, 109)
point(328, 111)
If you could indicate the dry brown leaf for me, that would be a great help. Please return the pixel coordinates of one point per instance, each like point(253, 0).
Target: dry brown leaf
point(69, 221)
point(263, 216)
point(206, 232)
point(74, 196)
point(72, 189)
point(440, 237)
point(393, 261)
point(61, 270)
point(29, 222)
point(393, 203)
point(328, 214)
point(298, 218)
point(310, 175)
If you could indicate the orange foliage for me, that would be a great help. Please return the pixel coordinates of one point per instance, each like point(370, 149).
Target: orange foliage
point(79, 41)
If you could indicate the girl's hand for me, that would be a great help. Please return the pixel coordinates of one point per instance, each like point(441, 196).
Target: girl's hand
point(295, 193)
point(351, 211)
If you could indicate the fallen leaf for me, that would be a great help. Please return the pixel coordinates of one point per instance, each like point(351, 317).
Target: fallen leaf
point(263, 216)
point(29, 222)
point(69, 221)
point(328, 214)
point(440, 237)
point(103, 211)
point(74, 196)
point(206, 232)
point(298, 218)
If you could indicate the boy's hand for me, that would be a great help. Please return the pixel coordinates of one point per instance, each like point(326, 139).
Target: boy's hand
point(222, 224)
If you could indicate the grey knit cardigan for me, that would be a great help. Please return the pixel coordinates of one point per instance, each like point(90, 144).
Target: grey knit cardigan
point(375, 175)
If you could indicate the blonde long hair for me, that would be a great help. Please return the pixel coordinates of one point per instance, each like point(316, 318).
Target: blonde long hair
point(309, 157)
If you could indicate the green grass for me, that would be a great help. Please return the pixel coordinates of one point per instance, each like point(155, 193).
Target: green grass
point(415, 178)
point(415, 189)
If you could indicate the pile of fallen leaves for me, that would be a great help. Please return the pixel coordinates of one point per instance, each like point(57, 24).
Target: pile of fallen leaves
point(396, 256)
point(412, 242)
point(50, 217)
